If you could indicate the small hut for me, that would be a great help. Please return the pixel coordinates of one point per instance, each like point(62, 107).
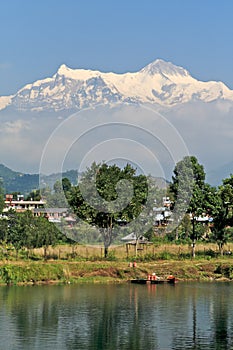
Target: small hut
point(137, 241)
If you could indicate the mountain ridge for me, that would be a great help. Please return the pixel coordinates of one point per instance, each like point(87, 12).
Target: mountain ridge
point(14, 181)
point(159, 82)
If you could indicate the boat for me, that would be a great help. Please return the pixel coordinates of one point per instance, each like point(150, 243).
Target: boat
point(158, 281)
point(139, 281)
point(153, 279)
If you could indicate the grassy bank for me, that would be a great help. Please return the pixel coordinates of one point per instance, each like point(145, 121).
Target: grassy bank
point(79, 264)
point(22, 272)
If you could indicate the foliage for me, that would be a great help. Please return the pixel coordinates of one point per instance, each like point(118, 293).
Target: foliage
point(45, 234)
point(193, 195)
point(25, 230)
point(13, 274)
point(108, 196)
point(226, 194)
point(3, 229)
point(115, 197)
point(223, 218)
point(66, 186)
point(56, 198)
point(34, 195)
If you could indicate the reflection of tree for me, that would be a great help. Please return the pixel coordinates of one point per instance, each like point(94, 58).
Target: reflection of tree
point(194, 320)
point(220, 323)
point(178, 318)
point(31, 313)
point(113, 323)
point(207, 325)
point(118, 317)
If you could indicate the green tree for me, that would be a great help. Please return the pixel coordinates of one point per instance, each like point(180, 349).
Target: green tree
point(108, 196)
point(15, 195)
point(184, 230)
point(3, 229)
point(66, 185)
point(188, 184)
point(21, 230)
point(223, 218)
point(211, 200)
point(26, 231)
point(2, 203)
point(56, 198)
point(45, 234)
point(221, 234)
point(226, 194)
point(34, 195)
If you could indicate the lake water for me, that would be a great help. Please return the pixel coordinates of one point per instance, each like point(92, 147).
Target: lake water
point(132, 317)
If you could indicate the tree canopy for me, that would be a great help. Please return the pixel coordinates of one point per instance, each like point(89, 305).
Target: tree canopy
point(108, 196)
point(192, 194)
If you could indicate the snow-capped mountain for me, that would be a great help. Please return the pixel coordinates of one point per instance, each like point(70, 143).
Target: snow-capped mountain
point(160, 82)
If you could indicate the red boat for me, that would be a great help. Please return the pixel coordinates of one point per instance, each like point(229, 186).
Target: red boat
point(153, 279)
point(156, 280)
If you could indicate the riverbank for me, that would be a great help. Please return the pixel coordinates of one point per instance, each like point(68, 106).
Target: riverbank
point(69, 272)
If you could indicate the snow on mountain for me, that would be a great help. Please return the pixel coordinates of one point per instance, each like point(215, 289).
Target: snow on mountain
point(167, 68)
point(5, 101)
point(159, 82)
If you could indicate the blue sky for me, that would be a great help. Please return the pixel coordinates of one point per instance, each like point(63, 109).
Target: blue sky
point(38, 36)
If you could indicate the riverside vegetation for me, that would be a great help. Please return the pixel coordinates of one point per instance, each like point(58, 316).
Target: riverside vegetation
point(33, 250)
point(82, 264)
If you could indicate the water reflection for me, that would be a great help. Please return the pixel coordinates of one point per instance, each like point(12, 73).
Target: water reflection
point(132, 317)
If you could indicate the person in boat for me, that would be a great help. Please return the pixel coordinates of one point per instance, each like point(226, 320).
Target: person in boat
point(155, 276)
point(170, 277)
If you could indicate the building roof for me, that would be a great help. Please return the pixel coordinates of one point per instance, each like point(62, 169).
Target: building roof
point(22, 202)
point(50, 210)
point(132, 237)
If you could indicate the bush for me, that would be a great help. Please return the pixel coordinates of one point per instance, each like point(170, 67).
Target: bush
point(225, 270)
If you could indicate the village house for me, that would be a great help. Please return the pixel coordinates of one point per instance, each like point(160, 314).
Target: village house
point(38, 208)
point(21, 205)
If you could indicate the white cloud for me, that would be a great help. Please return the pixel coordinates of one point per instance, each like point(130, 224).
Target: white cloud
point(207, 132)
point(15, 127)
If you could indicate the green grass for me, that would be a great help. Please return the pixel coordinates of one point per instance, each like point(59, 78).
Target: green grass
point(111, 271)
point(87, 264)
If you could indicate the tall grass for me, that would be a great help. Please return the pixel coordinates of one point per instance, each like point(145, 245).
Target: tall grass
point(147, 252)
point(158, 251)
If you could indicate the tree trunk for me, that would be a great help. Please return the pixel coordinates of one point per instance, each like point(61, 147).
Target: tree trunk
point(193, 240)
point(193, 248)
point(108, 237)
point(105, 252)
point(136, 247)
point(220, 247)
point(176, 235)
point(45, 253)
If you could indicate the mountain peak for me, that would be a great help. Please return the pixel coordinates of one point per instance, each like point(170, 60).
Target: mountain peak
point(63, 69)
point(160, 66)
point(159, 82)
point(76, 73)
